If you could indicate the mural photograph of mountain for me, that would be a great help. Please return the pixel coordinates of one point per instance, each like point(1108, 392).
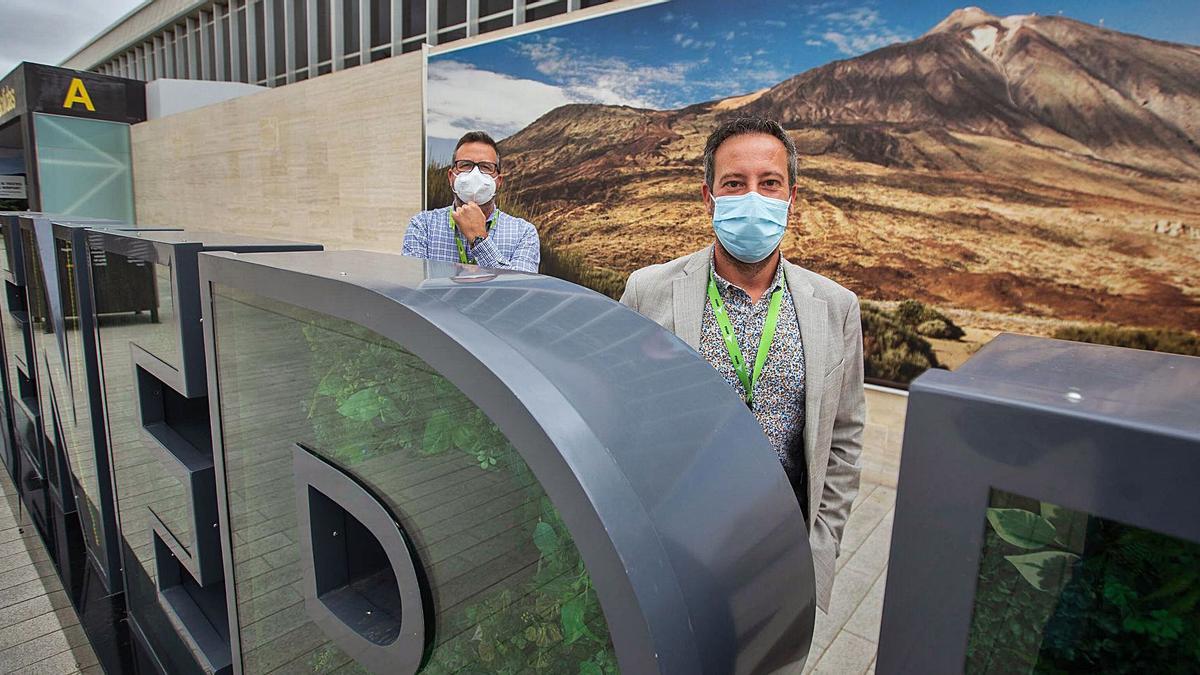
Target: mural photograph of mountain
point(1034, 168)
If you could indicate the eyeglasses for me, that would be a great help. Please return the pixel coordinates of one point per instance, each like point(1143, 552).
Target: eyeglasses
point(465, 165)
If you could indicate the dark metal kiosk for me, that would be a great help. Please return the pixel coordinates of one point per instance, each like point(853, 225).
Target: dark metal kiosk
point(64, 141)
point(428, 467)
point(1046, 516)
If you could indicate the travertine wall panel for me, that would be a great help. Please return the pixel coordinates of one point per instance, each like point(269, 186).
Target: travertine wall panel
point(336, 160)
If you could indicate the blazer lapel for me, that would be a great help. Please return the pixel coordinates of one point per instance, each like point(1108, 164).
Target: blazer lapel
point(687, 297)
point(813, 318)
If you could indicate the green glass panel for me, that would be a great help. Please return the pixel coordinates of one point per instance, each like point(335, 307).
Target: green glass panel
point(84, 167)
point(1062, 591)
point(510, 592)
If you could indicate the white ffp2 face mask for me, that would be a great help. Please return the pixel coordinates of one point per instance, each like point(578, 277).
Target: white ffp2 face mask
point(474, 186)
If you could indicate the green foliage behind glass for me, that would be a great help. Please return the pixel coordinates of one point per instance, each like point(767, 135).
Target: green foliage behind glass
point(1063, 592)
point(372, 399)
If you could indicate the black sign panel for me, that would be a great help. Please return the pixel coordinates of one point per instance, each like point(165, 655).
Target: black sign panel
point(33, 87)
point(12, 95)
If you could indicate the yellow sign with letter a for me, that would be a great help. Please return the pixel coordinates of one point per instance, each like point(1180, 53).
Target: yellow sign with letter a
point(77, 93)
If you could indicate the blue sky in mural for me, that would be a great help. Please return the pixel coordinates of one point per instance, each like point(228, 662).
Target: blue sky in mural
point(688, 51)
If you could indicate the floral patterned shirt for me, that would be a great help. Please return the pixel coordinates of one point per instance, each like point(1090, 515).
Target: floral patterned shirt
point(779, 396)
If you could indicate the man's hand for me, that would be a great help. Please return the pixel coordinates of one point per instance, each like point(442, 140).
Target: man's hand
point(471, 221)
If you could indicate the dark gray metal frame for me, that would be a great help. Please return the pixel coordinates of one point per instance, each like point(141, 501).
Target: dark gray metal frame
point(11, 456)
point(400, 653)
point(193, 467)
point(1094, 429)
point(668, 566)
point(27, 415)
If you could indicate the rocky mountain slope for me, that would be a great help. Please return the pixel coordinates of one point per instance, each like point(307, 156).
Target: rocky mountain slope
point(1016, 165)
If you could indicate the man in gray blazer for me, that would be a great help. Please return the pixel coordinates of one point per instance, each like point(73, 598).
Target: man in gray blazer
point(788, 340)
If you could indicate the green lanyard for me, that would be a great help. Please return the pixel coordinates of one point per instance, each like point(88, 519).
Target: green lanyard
point(731, 345)
point(462, 251)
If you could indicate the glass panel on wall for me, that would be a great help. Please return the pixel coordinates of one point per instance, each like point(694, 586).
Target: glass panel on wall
point(260, 42)
point(182, 53)
point(381, 22)
point(324, 48)
point(243, 45)
point(1062, 591)
point(350, 27)
point(281, 41)
point(451, 12)
point(495, 24)
point(300, 37)
point(489, 7)
point(133, 297)
point(413, 18)
point(84, 167)
point(543, 11)
point(509, 590)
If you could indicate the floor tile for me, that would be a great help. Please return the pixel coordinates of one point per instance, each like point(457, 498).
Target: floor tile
point(848, 655)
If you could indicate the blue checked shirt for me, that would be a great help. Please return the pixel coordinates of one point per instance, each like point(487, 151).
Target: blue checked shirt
point(512, 243)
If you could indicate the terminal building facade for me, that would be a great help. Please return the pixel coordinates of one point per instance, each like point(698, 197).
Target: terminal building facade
point(275, 42)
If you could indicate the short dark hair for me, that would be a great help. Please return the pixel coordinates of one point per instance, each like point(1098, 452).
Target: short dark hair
point(478, 137)
point(747, 125)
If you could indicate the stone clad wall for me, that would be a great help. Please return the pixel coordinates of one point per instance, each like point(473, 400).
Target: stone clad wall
point(334, 160)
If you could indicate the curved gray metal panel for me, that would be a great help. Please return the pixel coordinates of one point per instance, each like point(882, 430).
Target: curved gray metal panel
point(677, 502)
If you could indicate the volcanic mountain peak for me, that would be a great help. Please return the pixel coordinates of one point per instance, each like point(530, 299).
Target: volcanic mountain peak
point(960, 19)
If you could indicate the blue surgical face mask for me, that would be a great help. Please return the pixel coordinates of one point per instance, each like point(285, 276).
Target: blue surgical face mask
point(749, 226)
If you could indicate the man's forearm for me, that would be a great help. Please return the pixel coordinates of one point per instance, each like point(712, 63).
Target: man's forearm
point(487, 254)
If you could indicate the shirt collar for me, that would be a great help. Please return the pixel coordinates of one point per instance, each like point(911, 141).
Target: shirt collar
point(723, 285)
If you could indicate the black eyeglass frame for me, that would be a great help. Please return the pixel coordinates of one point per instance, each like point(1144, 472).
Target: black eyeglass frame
point(468, 165)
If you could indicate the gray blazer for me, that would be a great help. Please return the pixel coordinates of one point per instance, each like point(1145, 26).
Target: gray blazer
point(673, 295)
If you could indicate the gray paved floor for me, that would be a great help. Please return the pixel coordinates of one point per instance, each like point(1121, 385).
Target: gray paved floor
point(39, 631)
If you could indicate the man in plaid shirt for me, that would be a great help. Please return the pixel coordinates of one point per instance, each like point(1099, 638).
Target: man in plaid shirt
point(473, 230)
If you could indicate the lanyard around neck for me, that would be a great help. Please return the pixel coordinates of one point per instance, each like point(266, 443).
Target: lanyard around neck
point(748, 379)
point(462, 251)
